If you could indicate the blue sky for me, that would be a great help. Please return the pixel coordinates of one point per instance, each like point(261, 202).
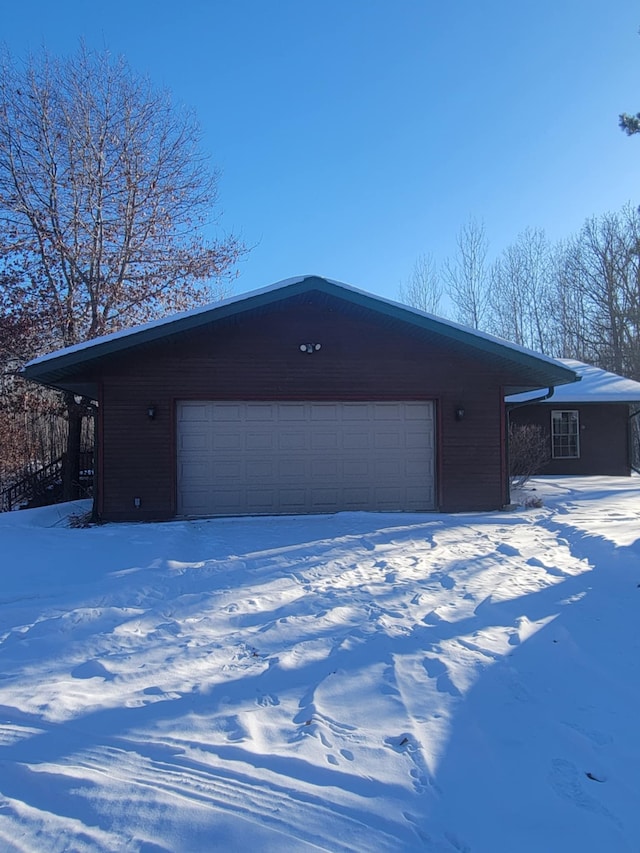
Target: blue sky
point(354, 135)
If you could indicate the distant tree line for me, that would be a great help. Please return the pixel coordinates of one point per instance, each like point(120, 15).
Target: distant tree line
point(578, 298)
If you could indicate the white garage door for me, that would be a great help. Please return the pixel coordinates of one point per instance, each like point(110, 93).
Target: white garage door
point(254, 458)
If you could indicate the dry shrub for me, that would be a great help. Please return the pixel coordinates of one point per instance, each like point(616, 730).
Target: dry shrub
point(528, 452)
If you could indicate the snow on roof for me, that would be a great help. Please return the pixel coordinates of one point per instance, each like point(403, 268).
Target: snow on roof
point(212, 308)
point(163, 321)
point(595, 386)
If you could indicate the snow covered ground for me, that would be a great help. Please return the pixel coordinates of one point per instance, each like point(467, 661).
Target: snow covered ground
point(356, 682)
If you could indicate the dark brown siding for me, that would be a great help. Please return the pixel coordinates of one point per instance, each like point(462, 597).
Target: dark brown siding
point(604, 437)
point(257, 357)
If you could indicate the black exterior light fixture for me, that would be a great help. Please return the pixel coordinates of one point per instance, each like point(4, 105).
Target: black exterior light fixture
point(151, 412)
point(309, 348)
point(459, 413)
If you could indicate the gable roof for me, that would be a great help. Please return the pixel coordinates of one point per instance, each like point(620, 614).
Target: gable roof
point(595, 386)
point(57, 369)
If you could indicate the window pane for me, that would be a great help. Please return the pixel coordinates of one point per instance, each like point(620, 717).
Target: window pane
point(565, 435)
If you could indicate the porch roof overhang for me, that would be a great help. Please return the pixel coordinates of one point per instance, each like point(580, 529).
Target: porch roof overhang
point(596, 386)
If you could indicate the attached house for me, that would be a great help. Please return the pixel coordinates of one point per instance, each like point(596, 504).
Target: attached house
point(587, 425)
point(308, 396)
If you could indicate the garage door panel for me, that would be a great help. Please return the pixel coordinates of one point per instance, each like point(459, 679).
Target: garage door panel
point(228, 500)
point(325, 469)
point(257, 440)
point(293, 500)
point(263, 470)
point(292, 441)
point(260, 412)
point(387, 493)
point(324, 412)
point(356, 497)
point(223, 469)
point(196, 442)
point(356, 441)
point(388, 440)
point(268, 458)
point(260, 500)
point(417, 494)
point(293, 469)
point(226, 441)
point(194, 412)
point(418, 441)
point(324, 497)
point(356, 412)
point(324, 440)
point(388, 412)
point(393, 468)
point(356, 469)
point(419, 412)
point(230, 412)
point(194, 499)
point(294, 412)
point(195, 472)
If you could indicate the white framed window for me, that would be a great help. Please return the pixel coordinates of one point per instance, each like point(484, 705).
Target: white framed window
point(565, 434)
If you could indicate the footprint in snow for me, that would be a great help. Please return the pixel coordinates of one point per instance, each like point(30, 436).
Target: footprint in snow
point(92, 669)
point(234, 730)
point(389, 686)
point(420, 832)
point(403, 743)
point(437, 669)
point(420, 781)
point(568, 782)
point(595, 736)
point(267, 700)
point(156, 694)
point(557, 573)
point(457, 843)
point(518, 690)
point(407, 743)
point(508, 550)
point(551, 570)
point(433, 618)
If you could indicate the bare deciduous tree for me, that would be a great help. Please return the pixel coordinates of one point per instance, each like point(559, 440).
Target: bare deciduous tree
point(423, 289)
point(521, 293)
point(568, 306)
point(603, 269)
point(106, 201)
point(466, 275)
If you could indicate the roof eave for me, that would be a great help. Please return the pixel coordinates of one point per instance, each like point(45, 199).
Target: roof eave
point(44, 369)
